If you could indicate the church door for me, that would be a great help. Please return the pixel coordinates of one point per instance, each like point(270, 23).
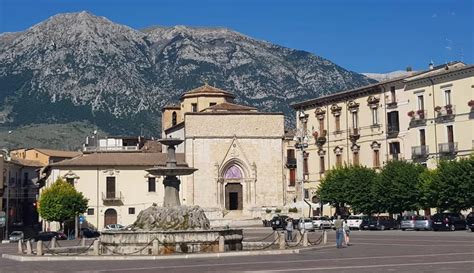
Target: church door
point(233, 196)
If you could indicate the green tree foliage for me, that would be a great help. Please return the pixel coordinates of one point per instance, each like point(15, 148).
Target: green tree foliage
point(428, 189)
point(360, 189)
point(398, 186)
point(61, 202)
point(332, 189)
point(455, 184)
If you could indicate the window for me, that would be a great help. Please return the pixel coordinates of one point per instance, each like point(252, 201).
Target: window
point(321, 126)
point(131, 210)
point(450, 133)
point(376, 161)
point(36, 155)
point(212, 104)
point(305, 164)
point(392, 94)
point(306, 194)
point(354, 120)
point(290, 153)
point(393, 123)
point(151, 184)
point(90, 211)
point(394, 148)
point(338, 160)
point(422, 137)
point(447, 97)
point(421, 102)
point(292, 177)
point(355, 158)
point(375, 116)
point(110, 187)
point(70, 180)
point(174, 119)
point(194, 107)
point(338, 123)
point(322, 167)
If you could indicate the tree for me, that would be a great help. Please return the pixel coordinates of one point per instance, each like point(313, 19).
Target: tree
point(428, 189)
point(398, 186)
point(332, 189)
point(61, 202)
point(360, 190)
point(455, 184)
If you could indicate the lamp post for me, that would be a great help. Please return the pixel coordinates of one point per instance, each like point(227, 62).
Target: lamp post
point(301, 139)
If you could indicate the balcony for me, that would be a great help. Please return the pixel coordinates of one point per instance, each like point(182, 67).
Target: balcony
point(445, 114)
point(392, 130)
point(418, 118)
point(291, 163)
point(392, 104)
point(354, 134)
point(112, 197)
point(419, 152)
point(449, 148)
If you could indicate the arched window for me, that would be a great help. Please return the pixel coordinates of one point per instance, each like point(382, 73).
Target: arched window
point(173, 119)
point(233, 172)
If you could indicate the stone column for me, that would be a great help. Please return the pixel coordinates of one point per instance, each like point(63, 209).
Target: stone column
point(39, 248)
point(20, 247)
point(29, 250)
point(96, 248)
point(221, 244)
point(156, 248)
point(171, 198)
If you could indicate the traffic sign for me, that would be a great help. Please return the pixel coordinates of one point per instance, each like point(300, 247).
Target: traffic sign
point(3, 219)
point(81, 219)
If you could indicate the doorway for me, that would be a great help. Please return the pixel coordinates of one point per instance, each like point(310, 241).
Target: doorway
point(110, 217)
point(233, 196)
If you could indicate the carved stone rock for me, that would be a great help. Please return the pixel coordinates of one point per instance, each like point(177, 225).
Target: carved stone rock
point(171, 218)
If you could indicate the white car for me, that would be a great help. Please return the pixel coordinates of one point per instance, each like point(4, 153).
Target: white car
point(114, 227)
point(321, 222)
point(354, 221)
point(306, 224)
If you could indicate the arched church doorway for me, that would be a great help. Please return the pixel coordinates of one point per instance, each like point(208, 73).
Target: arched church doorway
point(233, 196)
point(110, 217)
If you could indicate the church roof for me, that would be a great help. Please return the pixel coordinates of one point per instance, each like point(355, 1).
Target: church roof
point(207, 90)
point(227, 106)
point(118, 159)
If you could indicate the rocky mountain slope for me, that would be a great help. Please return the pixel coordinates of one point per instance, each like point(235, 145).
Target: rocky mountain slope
point(81, 67)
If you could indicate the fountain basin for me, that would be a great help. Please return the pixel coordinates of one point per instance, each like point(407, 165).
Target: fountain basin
point(169, 242)
point(171, 171)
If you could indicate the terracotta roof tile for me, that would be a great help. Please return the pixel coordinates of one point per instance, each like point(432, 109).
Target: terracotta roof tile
point(118, 159)
point(57, 153)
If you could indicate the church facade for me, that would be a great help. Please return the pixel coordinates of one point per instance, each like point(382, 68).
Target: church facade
point(237, 150)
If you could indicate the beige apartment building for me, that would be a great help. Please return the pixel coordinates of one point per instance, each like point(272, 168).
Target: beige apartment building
point(44, 156)
point(422, 117)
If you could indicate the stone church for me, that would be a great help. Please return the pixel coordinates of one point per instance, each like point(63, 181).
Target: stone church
point(237, 150)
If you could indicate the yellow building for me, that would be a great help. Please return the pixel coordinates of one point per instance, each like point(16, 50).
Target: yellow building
point(423, 116)
point(44, 156)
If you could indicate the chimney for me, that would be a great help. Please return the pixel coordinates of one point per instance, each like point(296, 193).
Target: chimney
point(431, 65)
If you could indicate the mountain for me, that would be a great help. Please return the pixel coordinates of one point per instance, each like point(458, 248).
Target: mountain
point(78, 67)
point(388, 76)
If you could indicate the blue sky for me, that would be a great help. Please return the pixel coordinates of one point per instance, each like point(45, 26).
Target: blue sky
point(363, 35)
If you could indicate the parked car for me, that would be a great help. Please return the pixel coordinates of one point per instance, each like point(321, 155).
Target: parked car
point(321, 222)
point(89, 233)
point(114, 227)
point(48, 235)
point(422, 223)
point(355, 221)
point(380, 223)
point(16, 236)
point(279, 222)
point(306, 224)
point(448, 221)
point(470, 221)
point(407, 222)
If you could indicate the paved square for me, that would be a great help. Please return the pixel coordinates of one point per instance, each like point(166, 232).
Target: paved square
point(372, 251)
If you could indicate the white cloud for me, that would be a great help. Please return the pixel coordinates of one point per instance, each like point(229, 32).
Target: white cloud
point(434, 15)
point(453, 13)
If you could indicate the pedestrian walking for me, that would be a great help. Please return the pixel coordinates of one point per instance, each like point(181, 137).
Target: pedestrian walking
point(347, 231)
point(289, 229)
point(338, 225)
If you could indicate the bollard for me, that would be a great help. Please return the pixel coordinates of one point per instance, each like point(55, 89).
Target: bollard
point(276, 235)
point(53, 242)
point(39, 248)
point(156, 248)
point(20, 247)
point(96, 248)
point(305, 238)
point(221, 244)
point(282, 240)
point(29, 250)
point(83, 241)
point(325, 237)
point(298, 236)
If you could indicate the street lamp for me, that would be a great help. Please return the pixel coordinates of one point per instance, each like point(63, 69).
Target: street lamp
point(301, 138)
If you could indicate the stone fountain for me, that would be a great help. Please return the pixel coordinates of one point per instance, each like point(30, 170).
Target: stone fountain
point(172, 227)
